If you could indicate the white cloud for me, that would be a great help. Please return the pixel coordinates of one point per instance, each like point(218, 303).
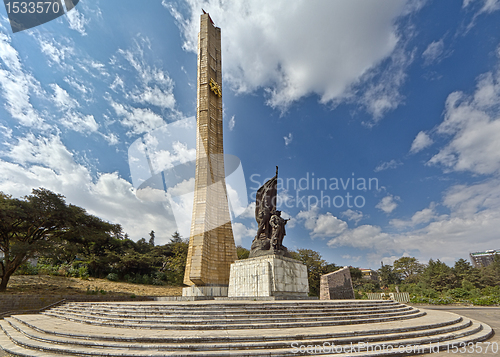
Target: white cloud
point(424, 216)
point(78, 85)
point(465, 201)
point(473, 123)
point(112, 139)
point(249, 211)
point(388, 165)
point(240, 232)
point(62, 99)
point(388, 204)
point(433, 52)
point(232, 123)
point(488, 5)
point(17, 86)
point(79, 122)
point(352, 215)
point(55, 51)
point(46, 162)
point(472, 225)
point(139, 120)
point(77, 21)
point(72, 119)
point(363, 237)
point(421, 141)
point(321, 225)
point(294, 50)
point(288, 139)
point(380, 91)
point(156, 85)
point(350, 257)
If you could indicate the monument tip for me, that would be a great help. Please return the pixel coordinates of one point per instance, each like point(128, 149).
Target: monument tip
point(206, 13)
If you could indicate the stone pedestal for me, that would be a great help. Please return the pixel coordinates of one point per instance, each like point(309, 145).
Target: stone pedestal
point(204, 291)
point(336, 285)
point(270, 275)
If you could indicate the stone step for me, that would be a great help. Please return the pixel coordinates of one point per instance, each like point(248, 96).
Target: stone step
point(249, 309)
point(192, 324)
point(224, 314)
point(234, 310)
point(247, 305)
point(58, 327)
point(282, 341)
point(43, 335)
point(469, 332)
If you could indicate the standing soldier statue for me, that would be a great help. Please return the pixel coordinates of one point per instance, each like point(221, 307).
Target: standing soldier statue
point(271, 231)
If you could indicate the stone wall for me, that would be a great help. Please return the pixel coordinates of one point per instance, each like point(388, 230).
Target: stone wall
point(336, 285)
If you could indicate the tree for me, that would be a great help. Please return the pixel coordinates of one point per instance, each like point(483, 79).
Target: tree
point(152, 238)
point(242, 253)
point(315, 267)
point(175, 265)
point(38, 224)
point(465, 272)
point(176, 237)
point(408, 268)
point(388, 276)
point(438, 276)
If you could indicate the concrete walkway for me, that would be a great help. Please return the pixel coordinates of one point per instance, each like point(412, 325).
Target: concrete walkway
point(488, 315)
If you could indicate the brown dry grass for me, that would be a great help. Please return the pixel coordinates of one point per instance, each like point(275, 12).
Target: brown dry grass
point(48, 284)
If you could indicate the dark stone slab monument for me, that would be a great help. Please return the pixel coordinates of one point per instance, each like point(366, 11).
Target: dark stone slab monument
point(336, 285)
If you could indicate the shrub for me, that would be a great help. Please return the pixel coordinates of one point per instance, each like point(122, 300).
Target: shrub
point(112, 277)
point(458, 293)
point(27, 269)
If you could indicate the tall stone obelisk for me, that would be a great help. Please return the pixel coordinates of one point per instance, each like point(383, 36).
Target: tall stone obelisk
point(211, 242)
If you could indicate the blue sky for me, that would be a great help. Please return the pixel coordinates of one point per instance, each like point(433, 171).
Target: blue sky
point(402, 95)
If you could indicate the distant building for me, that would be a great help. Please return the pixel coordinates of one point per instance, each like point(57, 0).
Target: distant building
point(483, 259)
point(369, 274)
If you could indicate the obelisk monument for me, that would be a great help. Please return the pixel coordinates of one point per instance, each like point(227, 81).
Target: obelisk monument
point(211, 242)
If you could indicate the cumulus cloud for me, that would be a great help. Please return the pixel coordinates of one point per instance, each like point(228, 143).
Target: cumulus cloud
point(424, 216)
point(365, 236)
point(473, 123)
point(474, 212)
point(421, 141)
point(243, 233)
point(352, 215)
point(388, 204)
point(321, 225)
point(46, 162)
point(294, 50)
point(288, 139)
point(388, 165)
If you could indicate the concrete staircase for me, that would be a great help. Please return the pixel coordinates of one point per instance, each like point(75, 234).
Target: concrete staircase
point(236, 328)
